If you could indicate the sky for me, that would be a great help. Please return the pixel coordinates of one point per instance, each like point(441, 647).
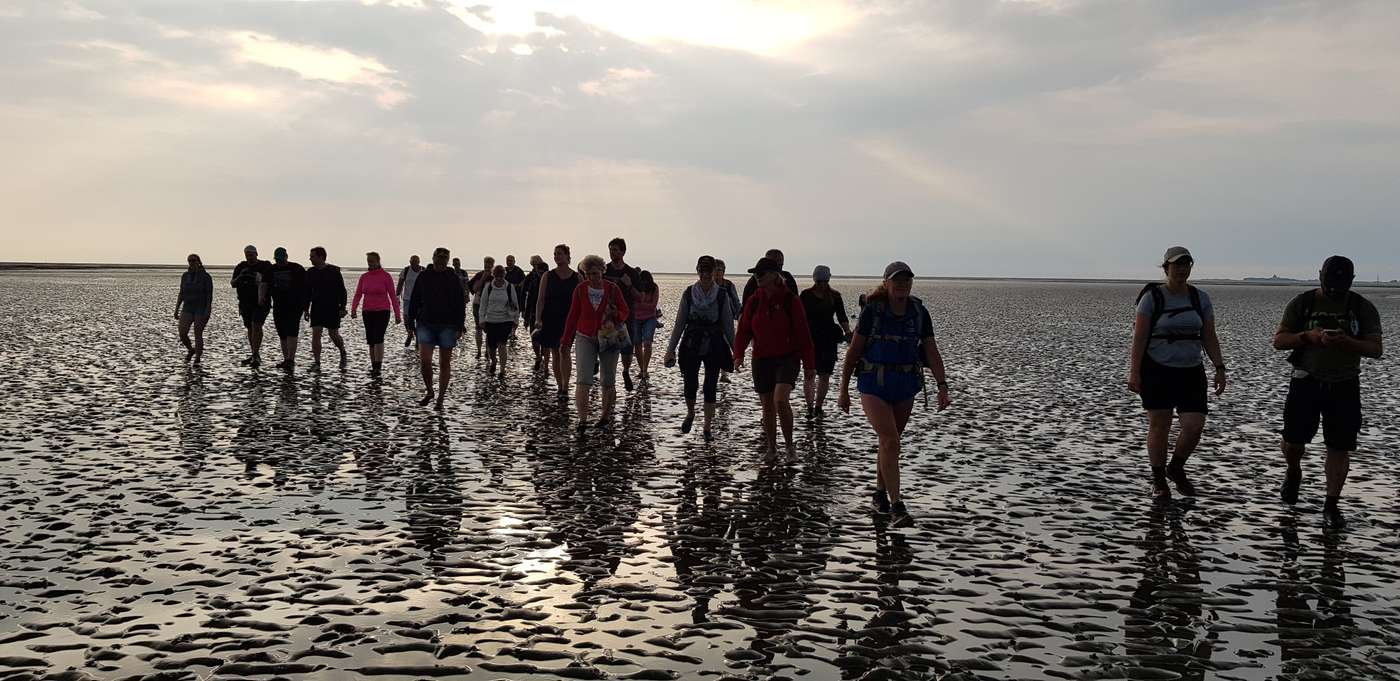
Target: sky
point(1072, 138)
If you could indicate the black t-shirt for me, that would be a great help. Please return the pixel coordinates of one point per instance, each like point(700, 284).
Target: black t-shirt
point(514, 275)
point(247, 276)
point(615, 274)
point(288, 284)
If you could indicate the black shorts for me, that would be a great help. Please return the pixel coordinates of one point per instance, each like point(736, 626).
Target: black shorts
point(376, 323)
point(1336, 405)
point(253, 314)
point(826, 357)
point(327, 319)
point(768, 372)
point(288, 321)
point(497, 332)
point(1181, 389)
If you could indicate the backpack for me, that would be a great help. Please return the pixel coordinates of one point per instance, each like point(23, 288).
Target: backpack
point(880, 308)
point(1306, 300)
point(1160, 309)
point(485, 295)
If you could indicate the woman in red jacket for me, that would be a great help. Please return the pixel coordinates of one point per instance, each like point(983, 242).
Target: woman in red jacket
point(596, 322)
point(774, 320)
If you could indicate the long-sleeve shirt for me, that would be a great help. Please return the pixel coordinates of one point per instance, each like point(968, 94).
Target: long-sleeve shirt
point(686, 312)
point(438, 299)
point(777, 325)
point(586, 319)
point(325, 288)
point(196, 289)
point(376, 289)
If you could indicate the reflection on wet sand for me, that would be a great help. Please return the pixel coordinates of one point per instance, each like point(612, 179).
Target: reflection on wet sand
point(216, 520)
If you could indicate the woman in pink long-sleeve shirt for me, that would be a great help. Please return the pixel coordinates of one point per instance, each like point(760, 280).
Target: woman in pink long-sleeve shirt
point(377, 289)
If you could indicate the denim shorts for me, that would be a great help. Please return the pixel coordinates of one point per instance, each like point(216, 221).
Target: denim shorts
point(437, 335)
point(646, 330)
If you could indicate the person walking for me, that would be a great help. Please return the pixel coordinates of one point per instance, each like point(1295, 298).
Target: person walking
point(193, 305)
point(488, 265)
point(826, 317)
point(597, 324)
point(1174, 322)
point(625, 277)
point(498, 308)
point(530, 303)
point(752, 286)
point(250, 280)
point(376, 289)
point(892, 344)
point(736, 307)
point(1329, 330)
point(645, 310)
point(288, 292)
point(325, 289)
point(556, 297)
point(407, 278)
point(703, 330)
point(774, 321)
point(439, 313)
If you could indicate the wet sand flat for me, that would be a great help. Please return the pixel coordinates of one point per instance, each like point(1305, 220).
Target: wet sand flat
point(167, 522)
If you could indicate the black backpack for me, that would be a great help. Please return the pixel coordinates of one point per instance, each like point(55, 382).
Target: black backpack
point(1160, 309)
point(1305, 300)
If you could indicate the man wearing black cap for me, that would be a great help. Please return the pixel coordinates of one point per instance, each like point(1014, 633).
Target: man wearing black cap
point(1329, 329)
point(752, 287)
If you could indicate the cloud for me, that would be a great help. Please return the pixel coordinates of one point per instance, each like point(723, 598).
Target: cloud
point(314, 63)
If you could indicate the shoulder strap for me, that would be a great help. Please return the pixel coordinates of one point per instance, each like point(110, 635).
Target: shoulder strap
point(1196, 303)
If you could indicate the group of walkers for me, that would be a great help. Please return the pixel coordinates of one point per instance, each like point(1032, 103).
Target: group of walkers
point(583, 322)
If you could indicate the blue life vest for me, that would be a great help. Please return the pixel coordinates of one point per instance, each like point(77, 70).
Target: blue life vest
point(895, 343)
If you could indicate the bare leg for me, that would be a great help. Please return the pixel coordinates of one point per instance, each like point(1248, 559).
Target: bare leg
point(581, 403)
point(609, 399)
point(770, 423)
point(782, 400)
point(504, 356)
point(255, 338)
point(709, 415)
point(881, 415)
point(1338, 466)
point(185, 322)
point(337, 340)
point(1192, 424)
point(444, 374)
point(316, 345)
point(823, 384)
point(425, 365)
point(1159, 428)
point(376, 353)
point(199, 324)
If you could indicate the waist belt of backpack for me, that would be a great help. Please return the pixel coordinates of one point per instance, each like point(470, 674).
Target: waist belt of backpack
point(1174, 337)
point(868, 367)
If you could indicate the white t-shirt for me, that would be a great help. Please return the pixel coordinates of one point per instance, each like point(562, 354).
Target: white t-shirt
point(497, 304)
point(409, 276)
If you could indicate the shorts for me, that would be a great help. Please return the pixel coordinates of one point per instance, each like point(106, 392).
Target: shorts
point(195, 311)
point(632, 336)
point(768, 372)
point(1179, 388)
point(646, 330)
point(586, 356)
point(1336, 405)
point(376, 323)
point(287, 321)
point(897, 386)
point(325, 319)
point(826, 357)
point(436, 335)
point(253, 314)
point(497, 332)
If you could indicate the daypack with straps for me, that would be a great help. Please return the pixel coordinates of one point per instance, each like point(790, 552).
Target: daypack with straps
point(486, 296)
point(1306, 300)
point(1160, 309)
point(889, 351)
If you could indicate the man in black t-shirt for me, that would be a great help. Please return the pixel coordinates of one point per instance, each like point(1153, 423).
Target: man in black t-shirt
point(325, 290)
point(250, 279)
point(287, 288)
point(479, 280)
point(625, 276)
point(752, 287)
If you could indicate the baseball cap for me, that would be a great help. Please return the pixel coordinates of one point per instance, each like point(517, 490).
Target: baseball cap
point(1176, 253)
point(1338, 271)
point(896, 268)
point(821, 273)
point(765, 265)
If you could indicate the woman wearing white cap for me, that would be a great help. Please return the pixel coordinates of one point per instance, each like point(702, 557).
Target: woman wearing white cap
point(823, 303)
point(892, 345)
point(1175, 321)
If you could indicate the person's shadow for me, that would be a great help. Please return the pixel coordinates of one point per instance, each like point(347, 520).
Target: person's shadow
point(433, 495)
point(699, 529)
point(195, 425)
point(1312, 610)
point(1165, 617)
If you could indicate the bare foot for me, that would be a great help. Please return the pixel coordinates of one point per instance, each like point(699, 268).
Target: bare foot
point(426, 399)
